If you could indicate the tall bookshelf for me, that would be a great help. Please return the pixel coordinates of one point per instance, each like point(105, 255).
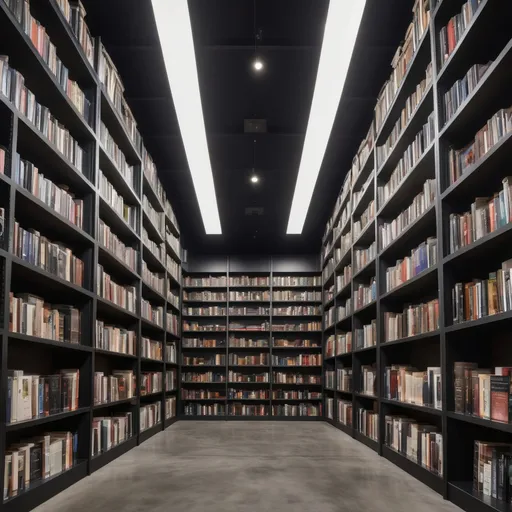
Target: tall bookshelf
point(250, 339)
point(443, 341)
point(144, 256)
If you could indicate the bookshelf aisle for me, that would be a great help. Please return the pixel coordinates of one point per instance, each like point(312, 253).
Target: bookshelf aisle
point(97, 310)
point(416, 261)
point(254, 328)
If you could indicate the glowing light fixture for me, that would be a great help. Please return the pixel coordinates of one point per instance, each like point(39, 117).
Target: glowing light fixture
point(175, 33)
point(258, 64)
point(341, 28)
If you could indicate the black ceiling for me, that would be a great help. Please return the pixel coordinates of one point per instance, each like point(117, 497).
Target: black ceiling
point(224, 38)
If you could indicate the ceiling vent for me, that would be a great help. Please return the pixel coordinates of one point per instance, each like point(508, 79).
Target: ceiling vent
point(254, 210)
point(255, 126)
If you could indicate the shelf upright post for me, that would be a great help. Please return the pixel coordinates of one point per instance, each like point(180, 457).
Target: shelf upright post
point(7, 270)
point(226, 386)
point(443, 291)
point(270, 337)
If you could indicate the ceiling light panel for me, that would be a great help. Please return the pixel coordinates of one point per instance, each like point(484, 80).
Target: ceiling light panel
point(341, 28)
point(175, 33)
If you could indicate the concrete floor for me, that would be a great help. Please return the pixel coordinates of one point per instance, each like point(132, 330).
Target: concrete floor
point(249, 467)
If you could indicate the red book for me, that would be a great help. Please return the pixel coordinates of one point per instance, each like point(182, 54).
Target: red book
point(500, 392)
point(450, 29)
point(2, 160)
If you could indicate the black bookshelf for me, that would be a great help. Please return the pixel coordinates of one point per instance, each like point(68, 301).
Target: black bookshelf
point(257, 324)
point(18, 136)
point(484, 340)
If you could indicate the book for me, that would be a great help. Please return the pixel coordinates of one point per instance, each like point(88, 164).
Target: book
point(500, 398)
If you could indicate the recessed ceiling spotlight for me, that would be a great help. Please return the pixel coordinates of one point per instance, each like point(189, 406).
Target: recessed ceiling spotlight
point(254, 179)
point(258, 64)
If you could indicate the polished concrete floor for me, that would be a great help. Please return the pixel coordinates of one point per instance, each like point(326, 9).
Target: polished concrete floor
point(249, 467)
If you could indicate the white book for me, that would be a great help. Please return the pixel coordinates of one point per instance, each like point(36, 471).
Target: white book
point(8, 462)
point(25, 398)
point(55, 457)
point(14, 472)
point(487, 478)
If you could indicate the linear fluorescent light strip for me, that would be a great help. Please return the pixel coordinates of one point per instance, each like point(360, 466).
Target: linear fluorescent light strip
point(175, 33)
point(341, 28)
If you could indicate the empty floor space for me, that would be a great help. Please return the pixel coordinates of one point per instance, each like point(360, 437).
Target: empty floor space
point(249, 466)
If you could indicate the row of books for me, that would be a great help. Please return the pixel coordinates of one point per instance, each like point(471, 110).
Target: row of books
point(157, 249)
point(420, 443)
point(344, 193)
point(364, 256)
point(213, 360)
point(296, 281)
point(463, 88)
point(368, 380)
point(406, 384)
point(172, 241)
point(48, 52)
point(117, 202)
point(36, 459)
point(250, 296)
point(299, 360)
point(294, 295)
point(209, 311)
point(171, 353)
point(250, 394)
point(295, 378)
point(358, 161)
point(356, 198)
point(328, 268)
point(172, 323)
point(344, 379)
point(128, 255)
point(406, 164)
point(170, 380)
point(57, 197)
point(193, 409)
point(205, 281)
point(483, 297)
point(170, 407)
point(411, 103)
point(390, 231)
point(450, 35)
point(339, 344)
point(203, 394)
point(31, 315)
point(115, 339)
point(402, 59)
point(151, 312)
point(364, 295)
point(12, 86)
point(329, 317)
point(249, 310)
point(421, 258)
point(329, 293)
point(413, 320)
point(205, 296)
point(299, 327)
point(483, 392)
point(248, 281)
point(297, 343)
point(297, 310)
point(203, 343)
point(112, 388)
point(329, 408)
point(123, 296)
point(249, 360)
point(256, 326)
point(487, 214)
point(368, 423)
point(150, 415)
point(203, 377)
point(344, 311)
point(36, 396)
point(108, 143)
point(330, 379)
point(297, 410)
point(345, 242)
point(108, 432)
point(155, 217)
point(344, 278)
point(150, 382)
point(248, 342)
point(74, 14)
point(55, 258)
point(198, 326)
point(492, 465)
point(496, 128)
point(151, 349)
point(153, 279)
point(365, 220)
point(366, 337)
point(345, 410)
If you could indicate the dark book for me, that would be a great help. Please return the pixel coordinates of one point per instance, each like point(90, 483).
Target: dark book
point(55, 393)
point(36, 462)
point(500, 393)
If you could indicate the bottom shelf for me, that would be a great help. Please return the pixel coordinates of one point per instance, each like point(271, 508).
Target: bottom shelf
point(344, 428)
point(42, 490)
point(435, 482)
point(170, 421)
point(105, 458)
point(463, 495)
point(374, 445)
point(150, 432)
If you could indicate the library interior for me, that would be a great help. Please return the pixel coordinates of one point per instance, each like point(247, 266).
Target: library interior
point(256, 255)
